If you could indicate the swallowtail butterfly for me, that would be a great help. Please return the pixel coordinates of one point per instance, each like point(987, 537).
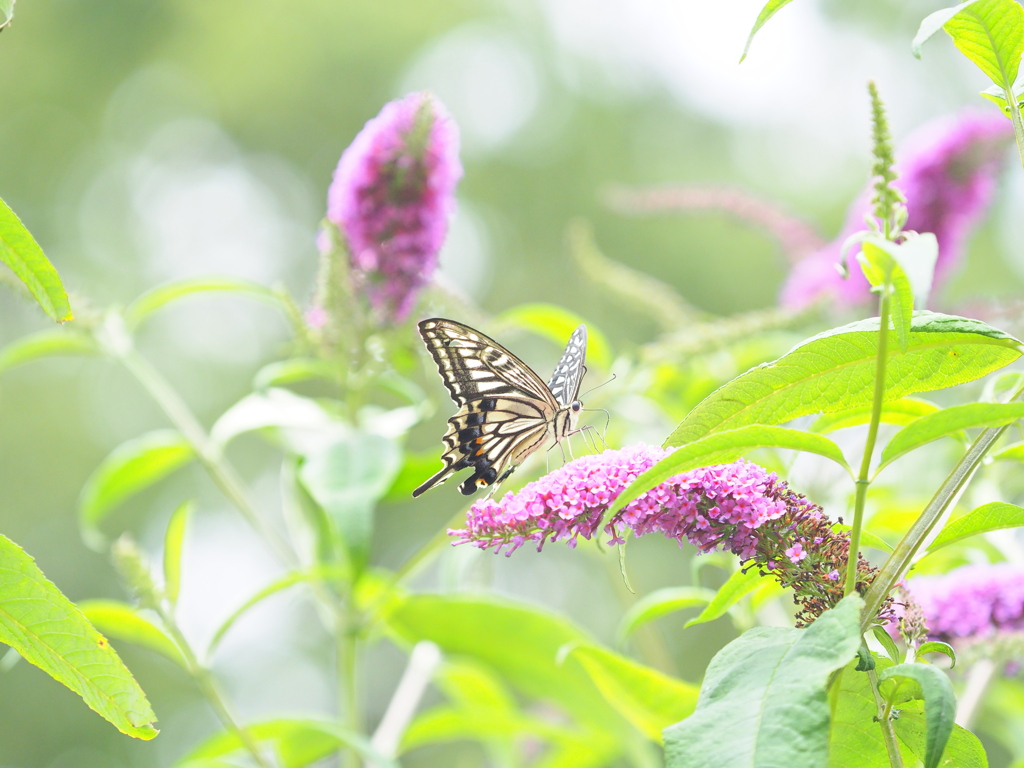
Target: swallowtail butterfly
point(506, 412)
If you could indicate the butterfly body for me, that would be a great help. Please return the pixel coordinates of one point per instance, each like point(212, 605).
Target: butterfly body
point(506, 412)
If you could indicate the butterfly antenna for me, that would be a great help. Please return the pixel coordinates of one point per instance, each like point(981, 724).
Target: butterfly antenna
point(598, 386)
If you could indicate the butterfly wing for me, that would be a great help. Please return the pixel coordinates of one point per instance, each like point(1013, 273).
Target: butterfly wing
point(565, 381)
point(505, 410)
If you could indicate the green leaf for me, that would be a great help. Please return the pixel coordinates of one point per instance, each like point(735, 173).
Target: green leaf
point(722, 448)
point(736, 587)
point(763, 701)
point(937, 646)
point(1013, 452)
point(293, 371)
point(834, 371)
point(867, 538)
point(557, 324)
point(993, 516)
point(347, 478)
point(939, 705)
point(901, 412)
point(415, 468)
point(301, 423)
point(442, 724)
point(770, 9)
point(880, 267)
point(567, 747)
point(122, 622)
point(991, 34)
point(519, 642)
point(485, 711)
point(132, 467)
point(20, 252)
point(49, 631)
point(948, 421)
point(46, 344)
point(296, 742)
point(161, 296)
point(648, 699)
point(6, 13)
point(997, 96)
point(288, 580)
point(886, 641)
point(856, 738)
point(174, 542)
point(659, 603)
point(932, 24)
point(963, 750)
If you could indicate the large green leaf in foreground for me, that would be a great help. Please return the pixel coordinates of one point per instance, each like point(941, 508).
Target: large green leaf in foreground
point(763, 701)
point(834, 371)
point(49, 631)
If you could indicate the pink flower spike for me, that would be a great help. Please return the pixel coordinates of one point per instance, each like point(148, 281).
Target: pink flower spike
point(948, 177)
point(739, 507)
point(392, 197)
point(972, 602)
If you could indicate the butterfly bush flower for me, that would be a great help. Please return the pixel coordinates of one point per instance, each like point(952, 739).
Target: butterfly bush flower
point(740, 508)
point(972, 603)
point(948, 176)
point(392, 197)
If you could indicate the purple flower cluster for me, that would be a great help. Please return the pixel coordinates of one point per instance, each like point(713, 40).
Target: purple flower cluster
point(970, 603)
point(948, 178)
point(392, 196)
point(740, 507)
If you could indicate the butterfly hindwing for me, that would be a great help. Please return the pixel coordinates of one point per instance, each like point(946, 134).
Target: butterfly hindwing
point(565, 381)
point(505, 411)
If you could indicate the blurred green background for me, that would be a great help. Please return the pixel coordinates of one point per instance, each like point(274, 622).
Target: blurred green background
point(148, 140)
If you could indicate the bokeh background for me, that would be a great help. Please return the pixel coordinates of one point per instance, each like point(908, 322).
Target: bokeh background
point(149, 140)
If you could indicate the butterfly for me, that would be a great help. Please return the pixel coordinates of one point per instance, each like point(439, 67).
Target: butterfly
point(506, 412)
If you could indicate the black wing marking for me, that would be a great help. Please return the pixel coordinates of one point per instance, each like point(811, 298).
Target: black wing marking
point(565, 381)
point(490, 442)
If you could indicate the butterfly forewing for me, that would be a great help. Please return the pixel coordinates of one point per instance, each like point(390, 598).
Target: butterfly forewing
point(505, 410)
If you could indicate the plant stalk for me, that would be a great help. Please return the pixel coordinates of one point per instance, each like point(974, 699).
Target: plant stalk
point(903, 554)
point(348, 686)
point(884, 717)
point(213, 695)
point(218, 467)
point(1017, 119)
point(864, 476)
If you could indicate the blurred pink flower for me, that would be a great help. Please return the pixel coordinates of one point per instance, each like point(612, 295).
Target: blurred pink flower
point(739, 507)
point(315, 317)
point(973, 602)
point(947, 174)
point(392, 197)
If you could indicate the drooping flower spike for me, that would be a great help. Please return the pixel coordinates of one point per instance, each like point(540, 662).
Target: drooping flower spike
point(947, 175)
point(739, 507)
point(392, 197)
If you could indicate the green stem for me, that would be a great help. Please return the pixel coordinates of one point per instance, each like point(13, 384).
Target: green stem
point(1017, 119)
point(213, 695)
point(864, 477)
point(348, 686)
point(175, 408)
point(899, 561)
point(884, 717)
